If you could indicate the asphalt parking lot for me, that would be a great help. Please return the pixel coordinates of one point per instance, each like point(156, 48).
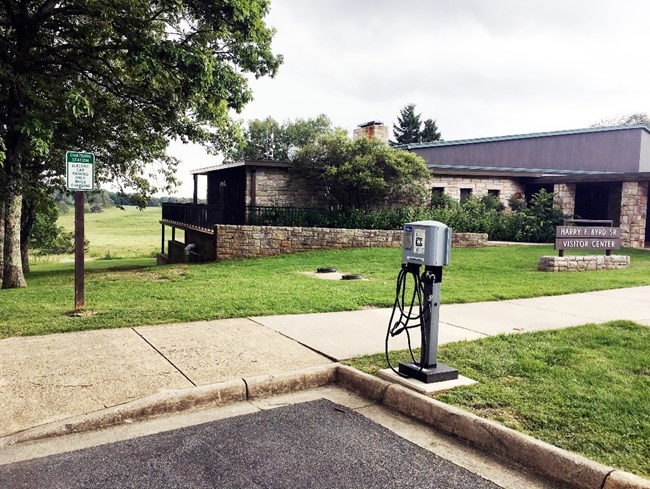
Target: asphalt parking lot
point(317, 444)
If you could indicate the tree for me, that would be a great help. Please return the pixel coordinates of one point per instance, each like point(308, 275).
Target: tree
point(638, 118)
point(30, 208)
point(119, 78)
point(268, 140)
point(260, 141)
point(362, 173)
point(407, 129)
point(45, 230)
point(430, 132)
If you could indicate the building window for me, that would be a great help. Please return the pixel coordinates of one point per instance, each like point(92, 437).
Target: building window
point(465, 193)
point(494, 193)
point(438, 198)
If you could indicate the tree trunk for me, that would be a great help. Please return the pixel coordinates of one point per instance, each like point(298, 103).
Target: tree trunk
point(16, 147)
point(28, 219)
point(13, 277)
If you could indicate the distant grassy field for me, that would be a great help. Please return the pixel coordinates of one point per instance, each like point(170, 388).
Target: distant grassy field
point(128, 292)
point(117, 233)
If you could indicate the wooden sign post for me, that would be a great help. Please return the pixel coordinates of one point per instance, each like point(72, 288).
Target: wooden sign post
point(80, 177)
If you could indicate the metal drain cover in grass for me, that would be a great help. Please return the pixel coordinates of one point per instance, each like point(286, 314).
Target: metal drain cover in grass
point(352, 276)
point(326, 270)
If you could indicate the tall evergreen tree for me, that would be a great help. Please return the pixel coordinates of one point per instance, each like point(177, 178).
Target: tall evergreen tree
point(430, 132)
point(407, 129)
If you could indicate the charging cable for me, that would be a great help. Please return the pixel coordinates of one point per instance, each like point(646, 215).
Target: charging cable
point(412, 316)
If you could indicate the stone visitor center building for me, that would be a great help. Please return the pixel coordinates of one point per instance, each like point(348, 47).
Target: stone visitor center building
point(594, 173)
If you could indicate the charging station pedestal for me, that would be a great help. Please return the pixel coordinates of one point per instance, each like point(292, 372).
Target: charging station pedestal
point(428, 243)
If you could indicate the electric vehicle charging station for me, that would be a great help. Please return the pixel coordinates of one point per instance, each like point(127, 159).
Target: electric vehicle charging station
point(428, 244)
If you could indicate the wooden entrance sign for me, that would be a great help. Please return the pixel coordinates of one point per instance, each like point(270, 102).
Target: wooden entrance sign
point(604, 238)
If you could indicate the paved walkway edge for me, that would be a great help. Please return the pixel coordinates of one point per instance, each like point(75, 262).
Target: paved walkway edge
point(571, 470)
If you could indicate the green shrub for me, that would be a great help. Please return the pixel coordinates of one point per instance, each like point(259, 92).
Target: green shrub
point(545, 217)
point(531, 223)
point(62, 244)
point(517, 202)
point(493, 203)
point(45, 230)
point(442, 201)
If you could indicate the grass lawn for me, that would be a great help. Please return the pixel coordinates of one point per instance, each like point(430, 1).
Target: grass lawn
point(130, 292)
point(585, 389)
point(114, 232)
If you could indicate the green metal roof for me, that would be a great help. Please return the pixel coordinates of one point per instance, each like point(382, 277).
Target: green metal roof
point(524, 136)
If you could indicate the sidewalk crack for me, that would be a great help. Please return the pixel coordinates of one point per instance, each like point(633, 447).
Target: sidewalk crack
point(466, 328)
point(163, 355)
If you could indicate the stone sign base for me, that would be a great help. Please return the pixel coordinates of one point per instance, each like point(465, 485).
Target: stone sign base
point(582, 263)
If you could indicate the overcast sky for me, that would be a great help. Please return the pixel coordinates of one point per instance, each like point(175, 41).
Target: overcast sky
point(479, 67)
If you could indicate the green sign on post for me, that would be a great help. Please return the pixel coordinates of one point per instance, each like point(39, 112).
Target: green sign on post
point(79, 170)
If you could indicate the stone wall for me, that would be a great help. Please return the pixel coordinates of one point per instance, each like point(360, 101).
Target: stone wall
point(634, 211)
point(468, 240)
point(581, 263)
point(479, 186)
point(275, 187)
point(234, 241)
point(564, 197)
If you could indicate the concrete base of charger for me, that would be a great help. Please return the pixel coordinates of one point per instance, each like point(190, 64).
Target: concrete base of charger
point(421, 387)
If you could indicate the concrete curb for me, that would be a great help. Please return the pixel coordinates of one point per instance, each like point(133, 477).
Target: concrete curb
point(624, 480)
point(272, 385)
point(571, 470)
point(169, 401)
point(560, 465)
point(172, 401)
point(554, 463)
point(547, 460)
point(365, 385)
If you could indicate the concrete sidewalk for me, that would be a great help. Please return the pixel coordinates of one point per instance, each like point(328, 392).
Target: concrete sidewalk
point(51, 378)
point(343, 335)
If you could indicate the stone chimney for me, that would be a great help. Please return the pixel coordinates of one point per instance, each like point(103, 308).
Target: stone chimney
point(372, 129)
